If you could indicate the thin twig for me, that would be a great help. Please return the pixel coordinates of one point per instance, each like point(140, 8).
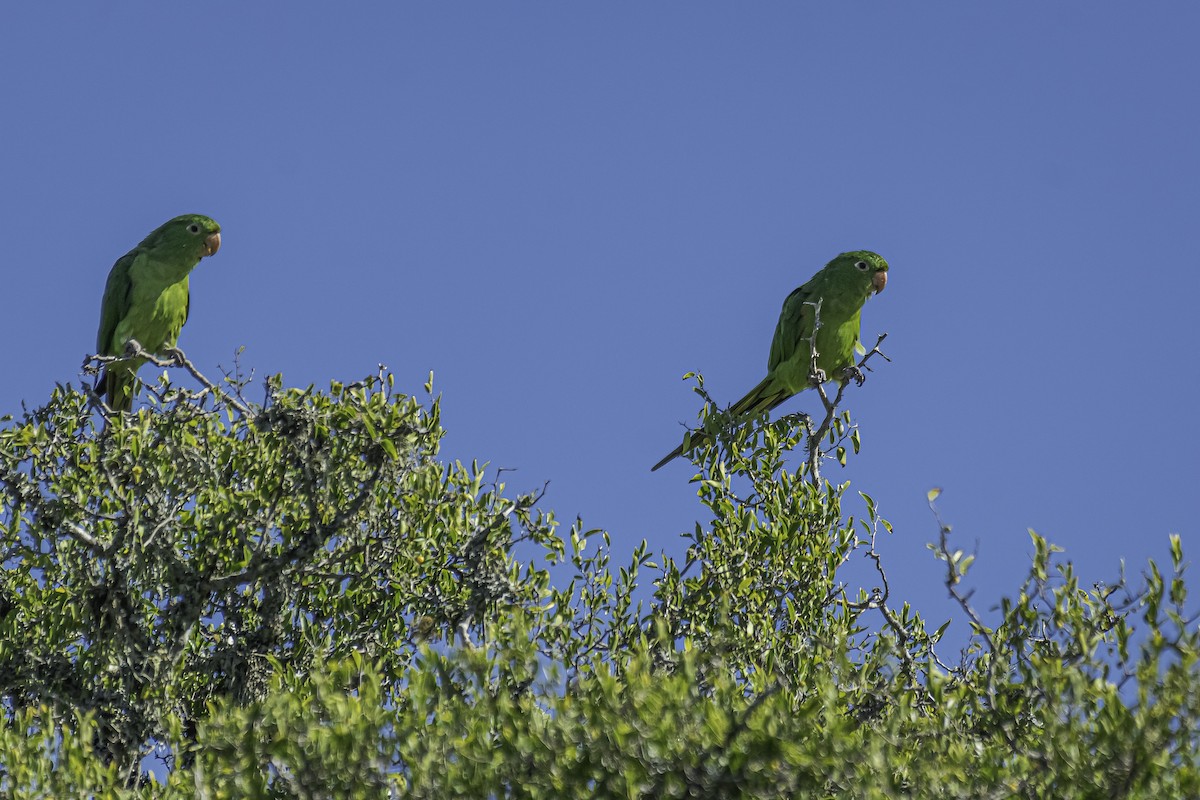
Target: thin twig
point(170, 357)
point(816, 376)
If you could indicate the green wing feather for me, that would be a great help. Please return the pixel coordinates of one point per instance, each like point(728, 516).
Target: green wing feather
point(115, 304)
point(795, 326)
point(117, 380)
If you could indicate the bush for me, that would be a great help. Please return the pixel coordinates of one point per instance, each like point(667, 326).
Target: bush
point(219, 598)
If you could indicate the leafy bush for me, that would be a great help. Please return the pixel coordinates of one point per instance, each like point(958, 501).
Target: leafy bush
point(295, 598)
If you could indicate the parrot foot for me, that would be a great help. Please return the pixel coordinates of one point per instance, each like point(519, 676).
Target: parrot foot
point(817, 377)
point(132, 347)
point(855, 374)
point(175, 354)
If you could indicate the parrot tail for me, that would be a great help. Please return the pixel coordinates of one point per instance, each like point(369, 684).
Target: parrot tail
point(678, 451)
point(761, 398)
point(118, 387)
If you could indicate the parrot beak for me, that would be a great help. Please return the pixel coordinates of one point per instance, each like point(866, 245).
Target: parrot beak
point(879, 281)
point(212, 243)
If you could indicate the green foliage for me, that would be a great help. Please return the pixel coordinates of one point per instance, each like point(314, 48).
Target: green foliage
point(298, 599)
point(43, 757)
point(326, 729)
point(195, 549)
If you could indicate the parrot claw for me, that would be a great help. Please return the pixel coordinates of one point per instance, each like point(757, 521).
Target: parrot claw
point(818, 377)
point(175, 354)
point(855, 374)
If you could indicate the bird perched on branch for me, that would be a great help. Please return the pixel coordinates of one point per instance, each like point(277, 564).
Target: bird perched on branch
point(829, 304)
point(146, 298)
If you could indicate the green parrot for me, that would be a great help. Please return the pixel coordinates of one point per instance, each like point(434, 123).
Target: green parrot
point(146, 298)
point(840, 288)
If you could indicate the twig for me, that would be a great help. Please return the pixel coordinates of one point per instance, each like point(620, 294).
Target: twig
point(831, 406)
point(83, 537)
point(171, 357)
point(953, 576)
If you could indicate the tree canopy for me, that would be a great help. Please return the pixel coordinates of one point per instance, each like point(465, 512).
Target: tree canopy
point(295, 597)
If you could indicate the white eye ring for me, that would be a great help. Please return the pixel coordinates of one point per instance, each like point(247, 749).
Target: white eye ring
point(193, 228)
point(862, 265)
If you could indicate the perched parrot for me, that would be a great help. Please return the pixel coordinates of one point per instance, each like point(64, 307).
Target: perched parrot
point(840, 288)
point(146, 298)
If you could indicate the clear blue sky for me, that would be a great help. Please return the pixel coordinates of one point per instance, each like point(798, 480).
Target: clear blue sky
point(562, 207)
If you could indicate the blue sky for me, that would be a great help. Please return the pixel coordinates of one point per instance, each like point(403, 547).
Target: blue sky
point(560, 208)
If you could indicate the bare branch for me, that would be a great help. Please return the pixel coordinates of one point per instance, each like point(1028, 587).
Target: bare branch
point(172, 357)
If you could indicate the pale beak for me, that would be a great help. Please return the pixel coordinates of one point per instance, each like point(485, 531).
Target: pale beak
point(879, 281)
point(212, 243)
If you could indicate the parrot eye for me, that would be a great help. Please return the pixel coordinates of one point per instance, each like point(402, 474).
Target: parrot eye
point(193, 228)
point(862, 266)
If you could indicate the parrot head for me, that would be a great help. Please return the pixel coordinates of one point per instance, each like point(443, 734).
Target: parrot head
point(192, 235)
point(862, 266)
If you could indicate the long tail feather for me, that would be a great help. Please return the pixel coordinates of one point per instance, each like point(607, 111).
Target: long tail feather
point(678, 451)
point(118, 385)
point(763, 397)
